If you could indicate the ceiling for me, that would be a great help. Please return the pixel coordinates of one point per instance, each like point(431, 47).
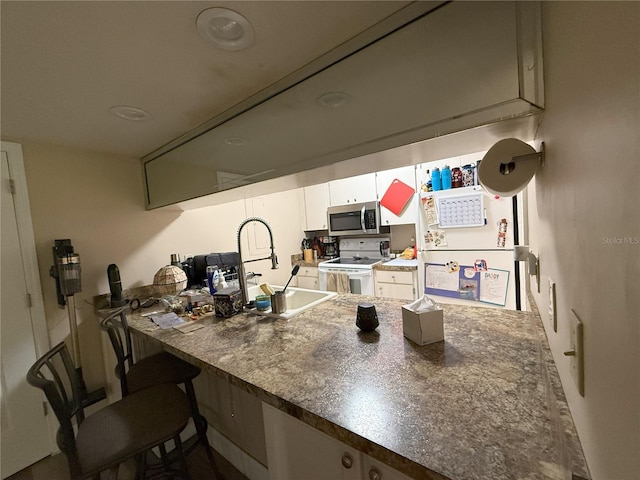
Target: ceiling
point(64, 65)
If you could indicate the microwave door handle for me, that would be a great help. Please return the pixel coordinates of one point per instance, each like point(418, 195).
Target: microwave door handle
point(362, 224)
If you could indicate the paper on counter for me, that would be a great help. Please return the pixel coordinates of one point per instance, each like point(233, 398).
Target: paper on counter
point(166, 320)
point(188, 327)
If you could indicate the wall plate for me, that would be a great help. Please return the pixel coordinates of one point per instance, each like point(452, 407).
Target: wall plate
point(553, 311)
point(576, 353)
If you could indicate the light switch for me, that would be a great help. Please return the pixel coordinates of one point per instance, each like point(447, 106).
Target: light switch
point(576, 353)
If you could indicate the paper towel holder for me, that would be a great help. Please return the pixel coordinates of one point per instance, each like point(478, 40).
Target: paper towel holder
point(507, 168)
point(522, 253)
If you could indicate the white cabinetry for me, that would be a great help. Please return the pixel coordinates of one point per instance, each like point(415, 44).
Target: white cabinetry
point(401, 284)
point(358, 189)
point(307, 277)
point(406, 175)
point(297, 451)
point(316, 201)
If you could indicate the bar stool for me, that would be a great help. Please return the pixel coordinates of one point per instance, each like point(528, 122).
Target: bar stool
point(155, 370)
point(122, 430)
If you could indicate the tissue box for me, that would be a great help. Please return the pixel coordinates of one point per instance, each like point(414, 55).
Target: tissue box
point(423, 328)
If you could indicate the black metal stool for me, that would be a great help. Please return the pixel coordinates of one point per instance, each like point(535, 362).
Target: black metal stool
point(161, 368)
point(122, 430)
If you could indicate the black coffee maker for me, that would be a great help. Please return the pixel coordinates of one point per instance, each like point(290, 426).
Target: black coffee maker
point(330, 247)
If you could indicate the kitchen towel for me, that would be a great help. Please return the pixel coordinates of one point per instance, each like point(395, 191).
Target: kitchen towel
point(397, 196)
point(338, 282)
point(500, 175)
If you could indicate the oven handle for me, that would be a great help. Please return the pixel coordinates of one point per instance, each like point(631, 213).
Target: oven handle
point(362, 224)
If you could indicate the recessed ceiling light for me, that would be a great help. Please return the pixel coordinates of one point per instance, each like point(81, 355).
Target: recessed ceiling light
point(236, 141)
point(225, 28)
point(134, 114)
point(333, 99)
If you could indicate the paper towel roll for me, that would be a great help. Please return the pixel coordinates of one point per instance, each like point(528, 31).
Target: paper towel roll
point(500, 175)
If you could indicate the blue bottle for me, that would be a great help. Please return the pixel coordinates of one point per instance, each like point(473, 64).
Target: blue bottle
point(436, 181)
point(446, 177)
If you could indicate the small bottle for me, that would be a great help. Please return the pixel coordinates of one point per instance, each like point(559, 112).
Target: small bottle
point(436, 181)
point(213, 278)
point(456, 178)
point(467, 175)
point(446, 177)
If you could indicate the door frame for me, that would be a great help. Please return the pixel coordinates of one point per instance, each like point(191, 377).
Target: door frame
point(27, 240)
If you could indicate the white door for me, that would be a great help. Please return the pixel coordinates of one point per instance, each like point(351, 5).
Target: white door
point(25, 438)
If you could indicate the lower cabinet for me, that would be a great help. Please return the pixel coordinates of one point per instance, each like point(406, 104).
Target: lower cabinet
point(401, 284)
point(297, 451)
point(307, 277)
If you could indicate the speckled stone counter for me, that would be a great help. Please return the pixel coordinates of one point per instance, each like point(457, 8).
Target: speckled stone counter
point(484, 404)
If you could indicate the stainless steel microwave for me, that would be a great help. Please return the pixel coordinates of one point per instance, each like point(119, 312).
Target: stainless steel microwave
point(354, 219)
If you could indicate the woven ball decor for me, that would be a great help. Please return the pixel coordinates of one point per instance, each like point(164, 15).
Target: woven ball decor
point(169, 280)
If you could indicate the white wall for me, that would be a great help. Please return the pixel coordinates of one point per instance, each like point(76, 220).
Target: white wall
point(585, 199)
point(96, 200)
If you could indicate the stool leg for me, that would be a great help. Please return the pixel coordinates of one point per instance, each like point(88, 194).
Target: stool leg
point(201, 426)
point(181, 458)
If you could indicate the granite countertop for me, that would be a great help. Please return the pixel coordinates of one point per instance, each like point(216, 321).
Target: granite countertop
point(486, 403)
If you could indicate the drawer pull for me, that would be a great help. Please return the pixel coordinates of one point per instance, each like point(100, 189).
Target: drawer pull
point(347, 461)
point(374, 474)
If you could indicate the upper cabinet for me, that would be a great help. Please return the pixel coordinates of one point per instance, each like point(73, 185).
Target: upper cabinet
point(316, 202)
point(358, 189)
point(459, 66)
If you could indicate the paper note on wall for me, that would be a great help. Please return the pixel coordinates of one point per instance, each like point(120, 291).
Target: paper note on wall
point(493, 286)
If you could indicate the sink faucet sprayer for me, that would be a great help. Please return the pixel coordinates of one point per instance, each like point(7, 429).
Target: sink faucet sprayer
point(241, 273)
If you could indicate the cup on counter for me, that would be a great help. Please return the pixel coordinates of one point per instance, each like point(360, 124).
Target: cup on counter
point(278, 302)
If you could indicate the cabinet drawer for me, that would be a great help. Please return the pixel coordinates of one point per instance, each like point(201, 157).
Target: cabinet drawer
point(395, 290)
point(307, 282)
point(394, 276)
point(308, 272)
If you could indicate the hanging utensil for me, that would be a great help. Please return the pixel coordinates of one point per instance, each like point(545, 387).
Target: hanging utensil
point(294, 272)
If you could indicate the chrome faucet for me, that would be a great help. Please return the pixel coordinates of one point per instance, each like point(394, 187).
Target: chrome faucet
point(242, 279)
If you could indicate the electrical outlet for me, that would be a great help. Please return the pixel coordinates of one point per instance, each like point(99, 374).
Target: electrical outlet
point(576, 353)
point(553, 318)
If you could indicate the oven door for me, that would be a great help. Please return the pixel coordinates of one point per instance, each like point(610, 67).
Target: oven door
point(360, 279)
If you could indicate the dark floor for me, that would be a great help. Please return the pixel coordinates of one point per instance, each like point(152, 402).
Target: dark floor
point(55, 468)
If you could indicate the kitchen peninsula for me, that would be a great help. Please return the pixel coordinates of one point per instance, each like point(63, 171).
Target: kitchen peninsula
point(486, 403)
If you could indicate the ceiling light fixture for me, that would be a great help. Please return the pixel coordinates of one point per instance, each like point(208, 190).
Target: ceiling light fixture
point(225, 28)
point(126, 112)
point(333, 99)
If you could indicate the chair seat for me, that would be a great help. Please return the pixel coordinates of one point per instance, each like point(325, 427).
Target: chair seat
point(131, 426)
point(157, 369)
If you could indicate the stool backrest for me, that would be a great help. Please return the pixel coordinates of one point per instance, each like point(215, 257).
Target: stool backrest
point(55, 374)
point(119, 333)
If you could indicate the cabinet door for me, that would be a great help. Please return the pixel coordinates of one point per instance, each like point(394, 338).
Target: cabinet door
point(316, 202)
point(375, 470)
point(297, 451)
point(308, 282)
point(383, 181)
point(361, 188)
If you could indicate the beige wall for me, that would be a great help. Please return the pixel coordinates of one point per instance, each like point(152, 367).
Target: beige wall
point(587, 197)
point(96, 200)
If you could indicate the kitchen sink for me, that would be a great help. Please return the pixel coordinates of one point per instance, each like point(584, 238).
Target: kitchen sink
point(298, 300)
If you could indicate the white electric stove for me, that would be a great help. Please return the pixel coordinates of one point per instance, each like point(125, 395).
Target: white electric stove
point(357, 258)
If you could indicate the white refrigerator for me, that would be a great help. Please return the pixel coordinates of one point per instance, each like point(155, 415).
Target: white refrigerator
point(466, 239)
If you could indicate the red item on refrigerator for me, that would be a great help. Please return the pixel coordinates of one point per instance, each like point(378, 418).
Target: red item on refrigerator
point(397, 196)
